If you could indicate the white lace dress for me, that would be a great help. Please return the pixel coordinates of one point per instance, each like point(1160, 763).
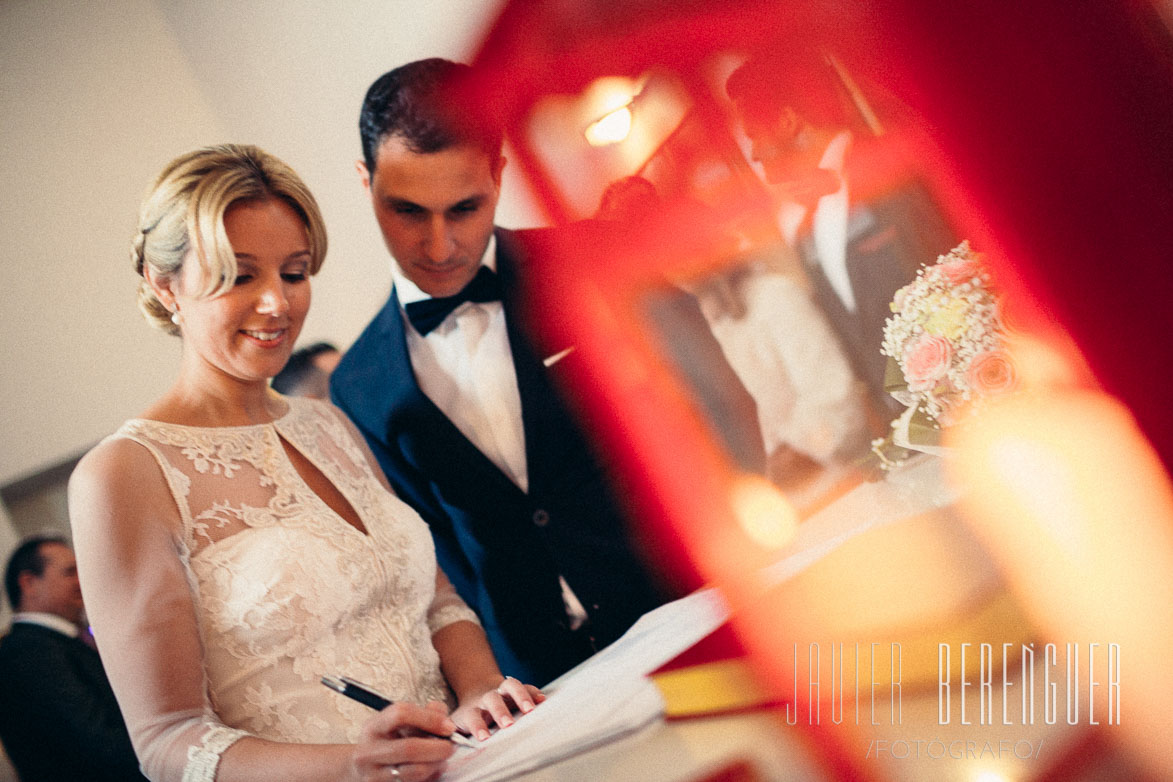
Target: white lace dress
point(284, 591)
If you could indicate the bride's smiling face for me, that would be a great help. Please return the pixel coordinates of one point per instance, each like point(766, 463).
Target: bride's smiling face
point(248, 332)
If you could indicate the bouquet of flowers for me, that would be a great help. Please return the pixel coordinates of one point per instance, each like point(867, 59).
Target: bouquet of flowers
point(945, 344)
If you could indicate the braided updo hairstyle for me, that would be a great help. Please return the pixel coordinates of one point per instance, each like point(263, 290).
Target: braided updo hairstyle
point(182, 217)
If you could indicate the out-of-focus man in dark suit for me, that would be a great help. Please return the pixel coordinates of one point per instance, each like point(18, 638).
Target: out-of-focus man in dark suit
point(58, 716)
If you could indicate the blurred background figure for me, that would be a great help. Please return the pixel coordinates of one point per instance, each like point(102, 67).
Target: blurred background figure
point(308, 371)
point(810, 408)
point(59, 718)
point(724, 395)
point(629, 198)
point(860, 225)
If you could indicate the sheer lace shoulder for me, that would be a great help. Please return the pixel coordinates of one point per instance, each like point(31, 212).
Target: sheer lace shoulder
point(279, 588)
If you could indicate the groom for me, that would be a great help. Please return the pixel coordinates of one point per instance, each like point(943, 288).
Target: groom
point(461, 413)
point(859, 241)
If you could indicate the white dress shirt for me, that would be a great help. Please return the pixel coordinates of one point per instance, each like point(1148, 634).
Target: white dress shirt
point(51, 621)
point(465, 366)
point(828, 224)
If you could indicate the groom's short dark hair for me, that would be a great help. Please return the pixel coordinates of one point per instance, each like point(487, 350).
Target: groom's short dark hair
point(427, 104)
point(800, 77)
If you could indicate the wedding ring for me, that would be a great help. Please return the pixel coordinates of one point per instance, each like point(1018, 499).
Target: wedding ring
point(395, 772)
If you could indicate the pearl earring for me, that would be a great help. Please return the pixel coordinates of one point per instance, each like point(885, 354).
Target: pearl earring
point(175, 318)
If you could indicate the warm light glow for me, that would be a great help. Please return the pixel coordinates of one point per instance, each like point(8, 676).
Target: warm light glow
point(609, 99)
point(763, 512)
point(990, 776)
point(1044, 482)
point(610, 128)
point(1041, 365)
point(1077, 508)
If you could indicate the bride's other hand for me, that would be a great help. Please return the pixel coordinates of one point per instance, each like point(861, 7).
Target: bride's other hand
point(388, 752)
point(496, 706)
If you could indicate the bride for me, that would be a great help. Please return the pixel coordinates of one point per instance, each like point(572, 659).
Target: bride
point(236, 545)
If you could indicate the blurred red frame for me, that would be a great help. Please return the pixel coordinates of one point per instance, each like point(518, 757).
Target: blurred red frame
point(1051, 139)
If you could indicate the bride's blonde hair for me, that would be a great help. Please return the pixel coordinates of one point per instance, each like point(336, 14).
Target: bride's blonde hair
point(182, 216)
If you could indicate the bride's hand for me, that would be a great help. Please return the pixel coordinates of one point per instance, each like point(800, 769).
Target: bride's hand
point(496, 706)
point(388, 752)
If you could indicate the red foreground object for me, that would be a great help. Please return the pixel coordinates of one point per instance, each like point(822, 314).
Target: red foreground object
point(1044, 128)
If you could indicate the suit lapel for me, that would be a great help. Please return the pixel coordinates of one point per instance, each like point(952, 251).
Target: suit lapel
point(539, 408)
point(389, 391)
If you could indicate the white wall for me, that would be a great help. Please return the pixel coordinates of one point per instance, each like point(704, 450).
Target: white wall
point(96, 97)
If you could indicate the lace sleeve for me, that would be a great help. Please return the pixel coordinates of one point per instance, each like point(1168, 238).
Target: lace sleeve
point(203, 760)
point(447, 606)
point(126, 531)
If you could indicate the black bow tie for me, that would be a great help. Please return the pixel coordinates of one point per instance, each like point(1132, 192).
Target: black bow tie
point(427, 314)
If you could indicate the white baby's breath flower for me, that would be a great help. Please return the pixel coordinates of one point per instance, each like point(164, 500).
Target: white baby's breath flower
point(950, 302)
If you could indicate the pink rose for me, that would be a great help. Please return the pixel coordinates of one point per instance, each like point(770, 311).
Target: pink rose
point(992, 372)
point(927, 361)
point(959, 270)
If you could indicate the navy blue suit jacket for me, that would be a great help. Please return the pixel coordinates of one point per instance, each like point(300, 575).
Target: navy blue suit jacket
point(58, 716)
point(503, 548)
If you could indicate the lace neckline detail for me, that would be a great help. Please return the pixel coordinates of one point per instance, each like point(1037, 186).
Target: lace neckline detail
point(154, 422)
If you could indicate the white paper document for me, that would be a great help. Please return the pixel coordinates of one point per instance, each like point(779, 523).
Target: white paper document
point(611, 694)
point(607, 696)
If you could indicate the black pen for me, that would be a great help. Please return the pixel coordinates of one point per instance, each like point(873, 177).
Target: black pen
point(368, 697)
